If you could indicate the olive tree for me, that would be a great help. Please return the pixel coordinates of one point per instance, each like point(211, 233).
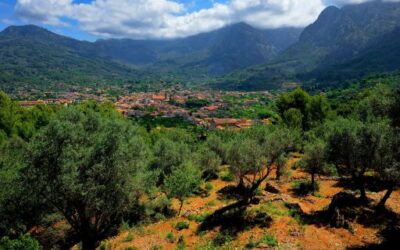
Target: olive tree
point(277, 144)
point(246, 160)
point(388, 167)
point(314, 160)
point(353, 147)
point(168, 154)
point(83, 164)
point(182, 181)
point(208, 161)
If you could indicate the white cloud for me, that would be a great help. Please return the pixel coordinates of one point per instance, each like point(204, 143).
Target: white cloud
point(170, 19)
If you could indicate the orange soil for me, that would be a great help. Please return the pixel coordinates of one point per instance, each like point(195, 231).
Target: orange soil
point(289, 233)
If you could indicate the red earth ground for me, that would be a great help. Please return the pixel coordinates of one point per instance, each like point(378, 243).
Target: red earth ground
point(290, 232)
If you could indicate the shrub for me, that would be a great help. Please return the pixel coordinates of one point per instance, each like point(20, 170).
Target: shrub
point(129, 237)
point(131, 248)
point(170, 238)
point(24, 242)
point(182, 225)
point(303, 188)
point(270, 240)
point(222, 238)
point(199, 218)
point(208, 186)
point(181, 243)
point(227, 176)
point(251, 244)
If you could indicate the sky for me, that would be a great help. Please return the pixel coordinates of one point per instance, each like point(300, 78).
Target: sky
point(158, 19)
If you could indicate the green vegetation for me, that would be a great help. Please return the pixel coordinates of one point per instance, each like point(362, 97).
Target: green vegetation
point(182, 225)
point(24, 242)
point(98, 172)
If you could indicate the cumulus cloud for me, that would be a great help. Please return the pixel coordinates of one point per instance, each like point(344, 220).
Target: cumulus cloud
point(143, 19)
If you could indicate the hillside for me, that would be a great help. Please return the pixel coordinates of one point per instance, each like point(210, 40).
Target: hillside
point(346, 39)
point(213, 53)
point(34, 56)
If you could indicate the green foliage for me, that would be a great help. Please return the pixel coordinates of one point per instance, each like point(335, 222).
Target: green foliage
point(303, 188)
point(182, 181)
point(227, 176)
point(182, 225)
point(315, 160)
point(83, 150)
point(199, 218)
point(24, 242)
point(209, 162)
point(245, 156)
point(129, 237)
point(170, 238)
point(300, 110)
point(209, 186)
point(270, 240)
point(169, 154)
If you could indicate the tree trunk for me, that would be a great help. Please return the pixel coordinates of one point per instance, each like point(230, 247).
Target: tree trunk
point(382, 202)
point(278, 173)
point(89, 244)
point(313, 183)
point(180, 208)
point(363, 194)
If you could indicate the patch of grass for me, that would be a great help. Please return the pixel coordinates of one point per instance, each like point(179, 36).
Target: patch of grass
point(105, 245)
point(222, 238)
point(182, 225)
point(227, 176)
point(131, 248)
point(124, 226)
point(156, 247)
point(270, 240)
point(129, 237)
point(251, 243)
point(210, 204)
point(170, 238)
point(258, 192)
point(199, 218)
point(181, 243)
point(267, 239)
point(208, 186)
point(270, 208)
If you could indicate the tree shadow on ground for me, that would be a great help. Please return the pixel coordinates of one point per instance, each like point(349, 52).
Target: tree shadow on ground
point(345, 209)
point(391, 239)
point(372, 183)
point(233, 219)
point(230, 192)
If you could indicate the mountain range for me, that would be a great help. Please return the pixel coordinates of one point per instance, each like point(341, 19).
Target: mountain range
point(30, 54)
point(343, 43)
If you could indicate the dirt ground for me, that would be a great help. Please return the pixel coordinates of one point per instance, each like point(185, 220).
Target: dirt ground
point(291, 233)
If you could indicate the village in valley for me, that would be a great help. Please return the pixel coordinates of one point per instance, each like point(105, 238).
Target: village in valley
point(208, 109)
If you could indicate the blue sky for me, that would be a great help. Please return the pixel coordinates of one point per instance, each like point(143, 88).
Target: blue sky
point(158, 19)
point(8, 17)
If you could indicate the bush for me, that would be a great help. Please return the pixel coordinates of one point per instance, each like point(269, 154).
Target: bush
point(270, 240)
point(199, 218)
point(228, 176)
point(129, 237)
point(222, 238)
point(303, 188)
point(208, 186)
point(24, 242)
point(170, 238)
point(181, 243)
point(182, 225)
point(298, 165)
